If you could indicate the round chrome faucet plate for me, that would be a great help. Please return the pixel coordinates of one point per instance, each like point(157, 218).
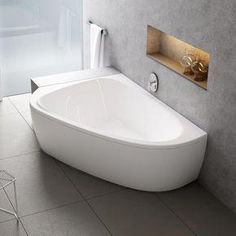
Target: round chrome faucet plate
point(153, 83)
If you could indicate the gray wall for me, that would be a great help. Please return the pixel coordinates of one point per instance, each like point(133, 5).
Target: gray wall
point(208, 24)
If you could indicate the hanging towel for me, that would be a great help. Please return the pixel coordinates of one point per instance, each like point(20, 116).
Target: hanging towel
point(102, 50)
point(97, 40)
point(64, 28)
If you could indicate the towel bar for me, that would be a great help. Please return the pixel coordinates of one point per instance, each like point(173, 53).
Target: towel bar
point(104, 30)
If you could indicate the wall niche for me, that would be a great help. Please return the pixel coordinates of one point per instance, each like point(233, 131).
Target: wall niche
point(190, 62)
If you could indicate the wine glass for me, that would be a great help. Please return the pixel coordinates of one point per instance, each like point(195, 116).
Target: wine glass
point(200, 71)
point(186, 62)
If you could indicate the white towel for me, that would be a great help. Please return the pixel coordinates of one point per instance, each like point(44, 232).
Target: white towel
point(102, 50)
point(97, 40)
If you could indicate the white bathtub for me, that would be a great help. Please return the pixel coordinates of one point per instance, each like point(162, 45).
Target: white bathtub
point(111, 128)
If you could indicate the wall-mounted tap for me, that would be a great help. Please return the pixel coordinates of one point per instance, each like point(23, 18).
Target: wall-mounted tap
point(153, 83)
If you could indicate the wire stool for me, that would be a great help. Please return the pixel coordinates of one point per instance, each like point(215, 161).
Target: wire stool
point(5, 180)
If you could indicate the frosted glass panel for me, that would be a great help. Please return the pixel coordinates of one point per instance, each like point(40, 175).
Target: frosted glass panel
point(38, 37)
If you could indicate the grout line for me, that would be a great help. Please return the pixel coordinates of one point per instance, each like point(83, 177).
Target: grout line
point(23, 227)
point(18, 155)
point(85, 200)
point(92, 197)
point(4, 221)
point(18, 221)
point(50, 209)
point(26, 121)
point(95, 213)
point(173, 212)
point(104, 194)
point(20, 112)
point(11, 112)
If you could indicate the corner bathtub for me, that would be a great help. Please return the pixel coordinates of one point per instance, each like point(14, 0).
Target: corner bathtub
point(111, 128)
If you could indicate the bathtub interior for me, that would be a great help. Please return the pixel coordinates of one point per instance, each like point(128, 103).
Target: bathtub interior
point(110, 107)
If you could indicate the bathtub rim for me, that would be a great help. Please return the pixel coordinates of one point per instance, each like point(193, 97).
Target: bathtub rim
point(35, 107)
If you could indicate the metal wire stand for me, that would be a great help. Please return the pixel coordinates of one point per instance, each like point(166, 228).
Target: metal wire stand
point(5, 180)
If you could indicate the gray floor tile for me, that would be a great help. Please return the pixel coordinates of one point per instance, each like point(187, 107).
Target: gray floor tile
point(137, 213)
point(27, 117)
point(88, 185)
point(6, 107)
point(12, 228)
point(201, 211)
point(41, 184)
point(21, 102)
point(73, 220)
point(16, 137)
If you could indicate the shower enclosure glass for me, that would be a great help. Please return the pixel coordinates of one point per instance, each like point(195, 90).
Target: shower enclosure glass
point(38, 37)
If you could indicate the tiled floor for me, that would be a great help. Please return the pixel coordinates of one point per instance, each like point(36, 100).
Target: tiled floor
point(55, 199)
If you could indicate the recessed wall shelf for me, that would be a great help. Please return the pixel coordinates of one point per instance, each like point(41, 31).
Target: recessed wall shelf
point(169, 51)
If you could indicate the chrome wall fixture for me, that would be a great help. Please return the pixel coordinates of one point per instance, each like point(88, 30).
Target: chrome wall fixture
point(153, 83)
point(105, 32)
